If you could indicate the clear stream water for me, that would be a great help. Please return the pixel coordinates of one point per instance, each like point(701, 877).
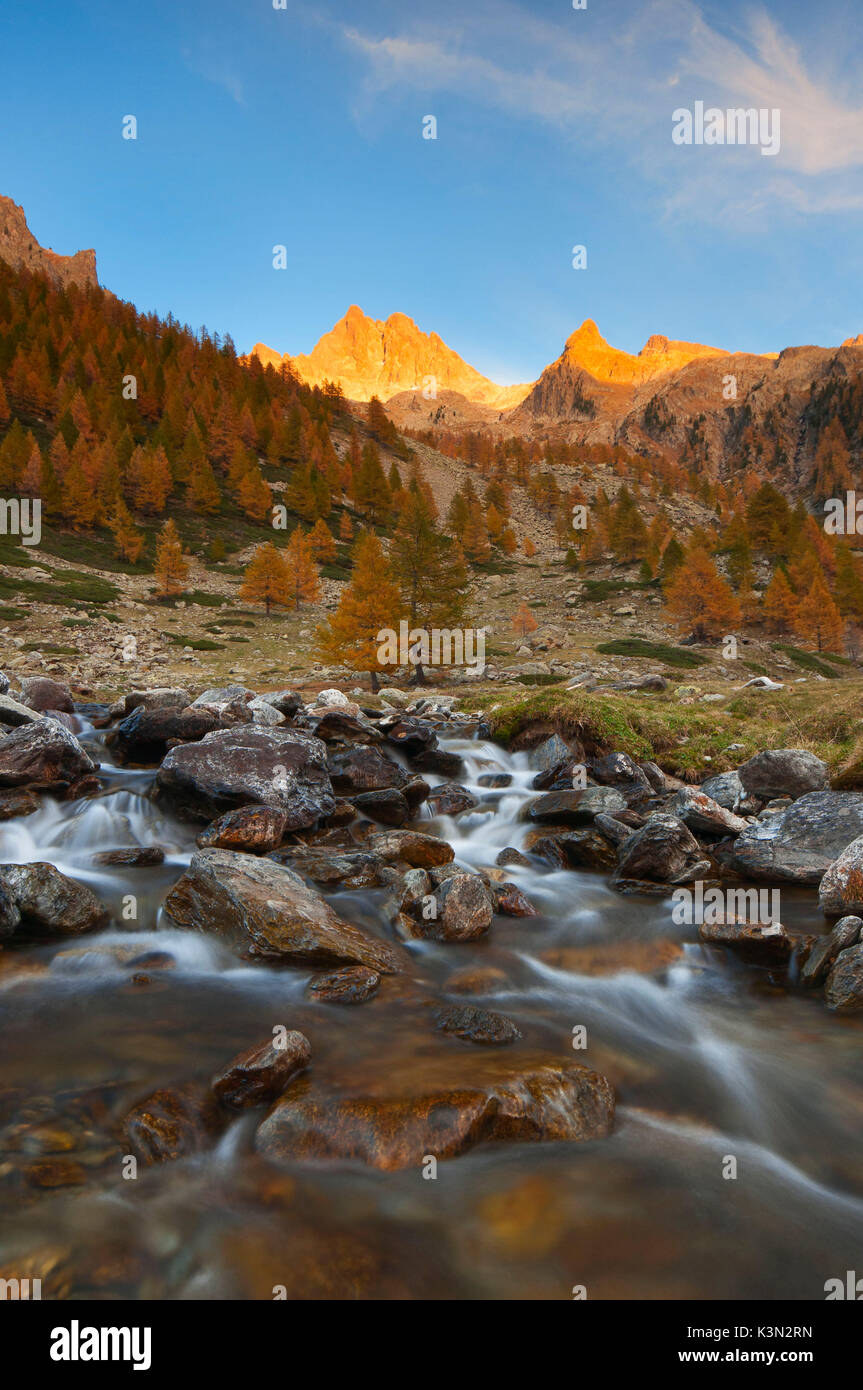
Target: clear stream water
point(709, 1060)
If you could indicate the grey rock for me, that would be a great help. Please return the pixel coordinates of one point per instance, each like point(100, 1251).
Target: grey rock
point(249, 766)
point(783, 772)
point(798, 845)
point(825, 951)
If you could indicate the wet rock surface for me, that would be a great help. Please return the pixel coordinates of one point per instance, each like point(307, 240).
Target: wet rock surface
point(543, 1101)
point(262, 1073)
point(237, 767)
point(267, 912)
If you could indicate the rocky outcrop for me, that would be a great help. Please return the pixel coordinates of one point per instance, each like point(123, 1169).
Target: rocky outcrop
point(248, 766)
point(267, 912)
point(20, 249)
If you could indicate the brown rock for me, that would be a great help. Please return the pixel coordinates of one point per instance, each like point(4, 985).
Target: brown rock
point(534, 1101)
point(412, 847)
point(255, 829)
point(262, 1073)
point(267, 912)
point(172, 1123)
point(477, 1026)
point(353, 984)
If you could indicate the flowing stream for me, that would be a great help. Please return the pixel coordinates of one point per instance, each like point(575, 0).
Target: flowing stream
point(710, 1061)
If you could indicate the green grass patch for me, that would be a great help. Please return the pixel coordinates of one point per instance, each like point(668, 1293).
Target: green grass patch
point(11, 615)
point(689, 740)
point(198, 644)
point(807, 661)
point(681, 657)
point(50, 649)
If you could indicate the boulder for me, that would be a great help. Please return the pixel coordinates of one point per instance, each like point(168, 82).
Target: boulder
point(255, 829)
point(43, 755)
point(161, 697)
point(412, 736)
point(826, 950)
point(726, 789)
point(756, 943)
point(363, 769)
point(565, 848)
point(400, 1126)
point(411, 847)
point(249, 766)
point(40, 693)
point(664, 850)
point(704, 815)
point(267, 912)
point(14, 714)
point(337, 726)
point(4, 683)
point(143, 736)
point(783, 772)
point(264, 713)
point(511, 902)
point(449, 798)
point(841, 889)
point(513, 856)
point(49, 903)
point(476, 1025)
point(10, 914)
point(621, 771)
point(18, 803)
point(550, 753)
point(844, 989)
point(799, 844)
point(439, 761)
point(388, 806)
point(131, 857)
point(577, 807)
point(352, 984)
point(352, 869)
point(261, 1074)
point(465, 910)
point(287, 702)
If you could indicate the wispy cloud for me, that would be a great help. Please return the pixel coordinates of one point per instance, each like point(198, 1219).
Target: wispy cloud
point(619, 81)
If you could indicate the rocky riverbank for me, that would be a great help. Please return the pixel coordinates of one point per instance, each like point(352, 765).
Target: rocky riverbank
point(322, 842)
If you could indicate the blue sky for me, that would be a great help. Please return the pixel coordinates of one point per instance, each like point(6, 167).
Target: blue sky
point(303, 127)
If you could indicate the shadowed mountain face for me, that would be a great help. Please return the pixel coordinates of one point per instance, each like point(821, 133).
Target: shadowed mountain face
point(20, 249)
